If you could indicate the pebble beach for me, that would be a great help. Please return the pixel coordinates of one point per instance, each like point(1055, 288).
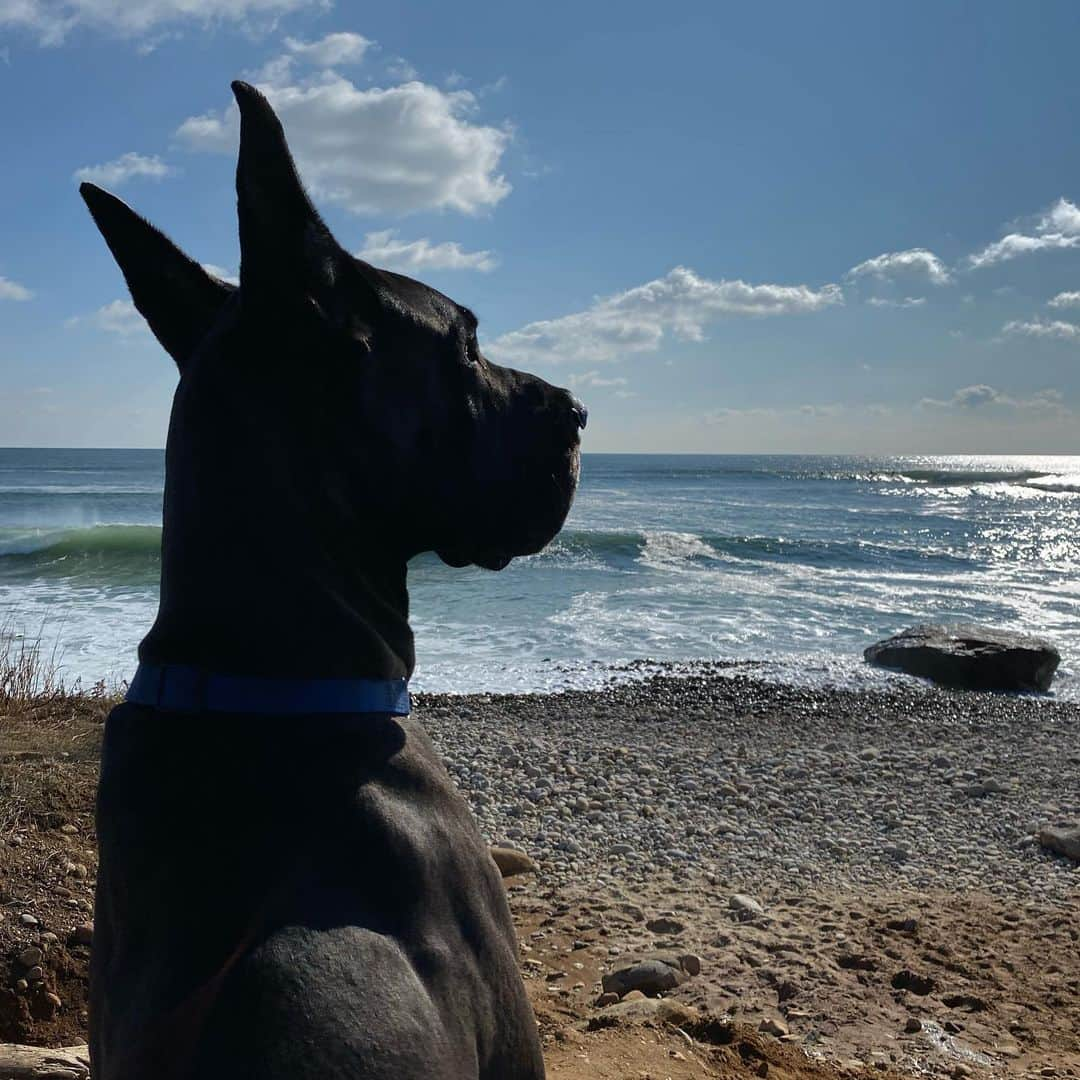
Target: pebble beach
point(857, 874)
point(724, 777)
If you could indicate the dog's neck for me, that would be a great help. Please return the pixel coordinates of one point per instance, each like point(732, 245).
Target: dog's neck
point(265, 572)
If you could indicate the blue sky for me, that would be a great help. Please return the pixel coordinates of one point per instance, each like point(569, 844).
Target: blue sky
point(784, 227)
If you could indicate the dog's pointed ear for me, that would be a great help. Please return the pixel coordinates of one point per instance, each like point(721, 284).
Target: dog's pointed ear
point(284, 244)
point(175, 295)
point(286, 250)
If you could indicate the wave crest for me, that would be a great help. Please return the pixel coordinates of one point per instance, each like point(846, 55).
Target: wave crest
point(95, 541)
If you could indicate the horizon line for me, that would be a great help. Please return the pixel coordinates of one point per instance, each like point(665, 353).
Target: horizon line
point(689, 453)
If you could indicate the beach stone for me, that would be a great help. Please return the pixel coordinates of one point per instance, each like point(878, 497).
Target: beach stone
point(83, 935)
point(30, 957)
point(745, 907)
point(665, 924)
point(512, 862)
point(28, 920)
point(690, 963)
point(913, 982)
point(772, 1027)
point(1065, 841)
point(640, 1008)
point(44, 1006)
point(969, 657)
point(650, 977)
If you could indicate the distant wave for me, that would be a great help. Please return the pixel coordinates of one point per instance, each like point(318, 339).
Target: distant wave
point(933, 478)
point(1069, 483)
point(102, 554)
point(663, 549)
point(949, 477)
point(82, 490)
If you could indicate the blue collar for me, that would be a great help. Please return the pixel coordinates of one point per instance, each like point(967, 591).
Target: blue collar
point(181, 688)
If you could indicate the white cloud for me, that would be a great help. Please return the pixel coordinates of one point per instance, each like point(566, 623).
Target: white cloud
point(1058, 227)
point(12, 290)
point(120, 317)
point(400, 68)
point(1065, 331)
point(681, 304)
point(907, 302)
point(396, 150)
point(406, 256)
point(332, 50)
point(980, 396)
point(231, 276)
point(593, 379)
point(791, 412)
point(124, 168)
point(1064, 299)
point(53, 20)
point(914, 261)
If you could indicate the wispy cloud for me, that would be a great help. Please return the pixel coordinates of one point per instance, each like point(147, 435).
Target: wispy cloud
point(1056, 228)
point(827, 411)
point(333, 50)
point(981, 396)
point(124, 168)
point(386, 250)
point(1064, 300)
point(400, 68)
point(593, 379)
point(680, 304)
point(1064, 331)
point(12, 290)
point(120, 318)
point(912, 262)
point(906, 302)
point(53, 20)
point(231, 276)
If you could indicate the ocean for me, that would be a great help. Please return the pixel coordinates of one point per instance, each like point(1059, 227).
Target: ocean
point(791, 563)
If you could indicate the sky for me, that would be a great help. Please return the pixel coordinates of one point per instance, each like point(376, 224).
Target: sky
point(785, 227)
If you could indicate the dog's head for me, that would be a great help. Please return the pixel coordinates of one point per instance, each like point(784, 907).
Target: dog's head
point(369, 385)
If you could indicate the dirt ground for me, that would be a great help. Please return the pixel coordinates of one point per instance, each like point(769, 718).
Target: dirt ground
point(815, 985)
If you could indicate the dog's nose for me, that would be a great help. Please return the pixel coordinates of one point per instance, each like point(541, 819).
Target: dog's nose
point(580, 412)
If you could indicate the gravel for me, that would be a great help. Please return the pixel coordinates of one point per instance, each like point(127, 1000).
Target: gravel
point(755, 784)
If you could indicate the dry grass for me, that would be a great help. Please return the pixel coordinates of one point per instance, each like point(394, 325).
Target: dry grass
point(27, 671)
point(50, 734)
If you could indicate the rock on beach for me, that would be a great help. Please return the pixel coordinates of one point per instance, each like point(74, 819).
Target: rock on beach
point(512, 862)
point(650, 977)
point(1064, 841)
point(969, 657)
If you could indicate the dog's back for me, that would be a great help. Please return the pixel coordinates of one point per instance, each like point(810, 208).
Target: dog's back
point(324, 899)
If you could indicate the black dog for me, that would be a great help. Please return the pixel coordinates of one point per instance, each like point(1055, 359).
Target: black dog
point(290, 887)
